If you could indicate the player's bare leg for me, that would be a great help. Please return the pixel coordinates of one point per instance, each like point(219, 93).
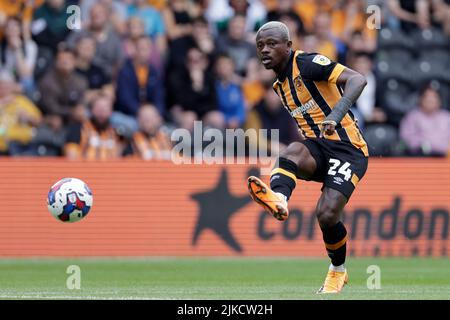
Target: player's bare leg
point(295, 162)
point(329, 210)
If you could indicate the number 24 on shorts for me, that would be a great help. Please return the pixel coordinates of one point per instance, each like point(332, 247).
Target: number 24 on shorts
point(343, 169)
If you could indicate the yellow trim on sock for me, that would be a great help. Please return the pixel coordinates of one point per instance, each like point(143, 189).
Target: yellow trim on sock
point(336, 245)
point(284, 172)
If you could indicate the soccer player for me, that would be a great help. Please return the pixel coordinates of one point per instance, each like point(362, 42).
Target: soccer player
point(333, 152)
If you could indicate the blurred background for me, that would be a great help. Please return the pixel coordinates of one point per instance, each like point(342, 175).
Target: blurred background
point(110, 79)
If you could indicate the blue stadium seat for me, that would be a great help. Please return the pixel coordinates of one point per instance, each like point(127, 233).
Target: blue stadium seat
point(440, 55)
point(396, 55)
point(429, 39)
point(431, 66)
point(382, 139)
point(393, 69)
point(397, 98)
point(390, 38)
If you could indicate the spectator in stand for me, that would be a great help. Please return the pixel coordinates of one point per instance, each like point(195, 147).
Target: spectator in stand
point(109, 52)
point(201, 38)
point(360, 42)
point(296, 31)
point(270, 114)
point(237, 46)
point(135, 31)
point(333, 22)
point(151, 141)
point(177, 19)
point(18, 117)
point(219, 13)
point(307, 10)
point(116, 11)
point(254, 11)
point(96, 78)
point(95, 138)
point(229, 94)
point(193, 92)
point(254, 88)
point(139, 82)
point(309, 43)
point(49, 139)
point(49, 26)
point(157, 4)
point(426, 130)
point(366, 105)
point(413, 14)
point(154, 23)
point(18, 54)
point(21, 9)
point(441, 14)
point(351, 27)
point(327, 44)
point(62, 90)
point(284, 8)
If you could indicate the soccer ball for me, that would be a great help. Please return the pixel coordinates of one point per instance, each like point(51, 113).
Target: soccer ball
point(69, 200)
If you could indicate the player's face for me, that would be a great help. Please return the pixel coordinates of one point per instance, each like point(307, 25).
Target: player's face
point(272, 49)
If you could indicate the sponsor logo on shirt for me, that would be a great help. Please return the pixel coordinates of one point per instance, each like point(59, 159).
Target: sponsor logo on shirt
point(338, 180)
point(322, 60)
point(303, 108)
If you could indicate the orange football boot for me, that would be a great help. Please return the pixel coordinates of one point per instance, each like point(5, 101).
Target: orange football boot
point(269, 200)
point(334, 282)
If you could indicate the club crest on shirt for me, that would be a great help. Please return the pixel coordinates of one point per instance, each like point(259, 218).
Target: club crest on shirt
point(298, 81)
point(322, 60)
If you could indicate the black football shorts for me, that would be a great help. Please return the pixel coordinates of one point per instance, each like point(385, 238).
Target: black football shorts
point(340, 165)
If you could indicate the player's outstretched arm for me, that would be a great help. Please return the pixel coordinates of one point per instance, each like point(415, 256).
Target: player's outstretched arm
point(354, 84)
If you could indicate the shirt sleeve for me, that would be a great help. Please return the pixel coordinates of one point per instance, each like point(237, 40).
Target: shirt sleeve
point(318, 67)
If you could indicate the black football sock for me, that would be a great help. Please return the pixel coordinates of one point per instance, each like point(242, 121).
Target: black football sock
point(335, 239)
point(283, 179)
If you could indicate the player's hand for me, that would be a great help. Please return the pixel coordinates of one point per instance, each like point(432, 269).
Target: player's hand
point(328, 127)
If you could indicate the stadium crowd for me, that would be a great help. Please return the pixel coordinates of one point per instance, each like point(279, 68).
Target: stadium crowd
point(118, 80)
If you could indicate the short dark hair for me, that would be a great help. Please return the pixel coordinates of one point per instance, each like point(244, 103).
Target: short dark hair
point(222, 55)
point(427, 86)
point(63, 47)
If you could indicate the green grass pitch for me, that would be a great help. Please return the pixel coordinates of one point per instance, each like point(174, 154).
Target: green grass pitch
point(220, 278)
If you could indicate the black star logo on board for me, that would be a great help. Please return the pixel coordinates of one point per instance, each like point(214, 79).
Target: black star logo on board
point(216, 208)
